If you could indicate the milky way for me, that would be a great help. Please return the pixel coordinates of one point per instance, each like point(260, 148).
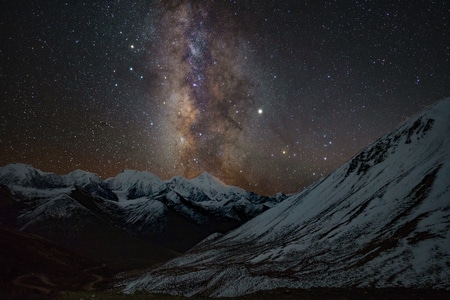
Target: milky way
point(208, 97)
point(267, 95)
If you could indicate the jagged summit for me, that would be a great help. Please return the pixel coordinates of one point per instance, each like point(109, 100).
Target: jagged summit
point(380, 220)
point(26, 176)
point(146, 183)
point(18, 173)
point(80, 177)
point(208, 179)
point(136, 184)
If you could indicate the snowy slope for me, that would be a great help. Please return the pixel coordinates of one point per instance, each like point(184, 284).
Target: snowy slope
point(380, 220)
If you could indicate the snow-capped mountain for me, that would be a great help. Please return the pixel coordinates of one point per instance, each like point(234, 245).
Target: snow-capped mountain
point(204, 187)
point(132, 184)
point(26, 176)
point(381, 220)
point(177, 213)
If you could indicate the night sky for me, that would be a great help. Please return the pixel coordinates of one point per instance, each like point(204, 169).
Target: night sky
point(266, 95)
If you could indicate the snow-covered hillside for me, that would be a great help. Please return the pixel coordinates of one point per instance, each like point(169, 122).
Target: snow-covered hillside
point(380, 220)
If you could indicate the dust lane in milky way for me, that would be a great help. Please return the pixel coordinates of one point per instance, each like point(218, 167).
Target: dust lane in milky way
point(210, 99)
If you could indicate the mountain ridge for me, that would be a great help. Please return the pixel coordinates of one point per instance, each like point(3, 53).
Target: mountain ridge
point(138, 202)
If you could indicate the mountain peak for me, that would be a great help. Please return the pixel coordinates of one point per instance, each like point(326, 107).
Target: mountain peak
point(206, 178)
point(21, 169)
point(136, 183)
point(81, 177)
point(25, 175)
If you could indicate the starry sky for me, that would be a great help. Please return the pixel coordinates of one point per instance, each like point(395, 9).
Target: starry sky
point(266, 95)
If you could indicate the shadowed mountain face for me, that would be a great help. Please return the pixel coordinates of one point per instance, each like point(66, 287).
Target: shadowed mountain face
point(32, 266)
point(379, 221)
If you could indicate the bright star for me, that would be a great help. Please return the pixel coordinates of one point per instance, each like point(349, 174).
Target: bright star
point(260, 111)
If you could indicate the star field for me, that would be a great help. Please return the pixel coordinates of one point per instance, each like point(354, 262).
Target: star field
point(266, 95)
